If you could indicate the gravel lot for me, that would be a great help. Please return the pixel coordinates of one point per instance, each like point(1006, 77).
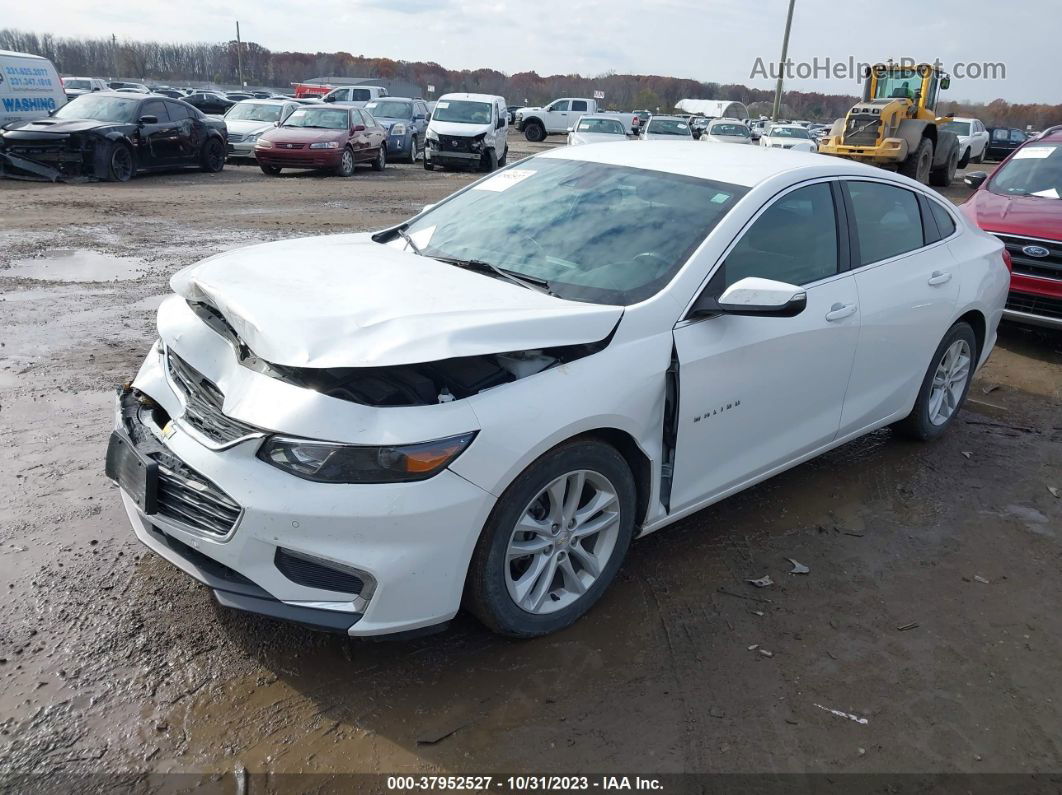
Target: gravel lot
point(111, 660)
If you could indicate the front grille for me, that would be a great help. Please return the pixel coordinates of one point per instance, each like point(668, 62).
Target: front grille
point(203, 404)
point(1049, 267)
point(235, 138)
point(1035, 305)
point(199, 560)
point(188, 498)
point(454, 143)
point(862, 130)
point(288, 146)
point(313, 574)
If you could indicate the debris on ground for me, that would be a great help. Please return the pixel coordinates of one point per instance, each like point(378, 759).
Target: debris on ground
point(798, 568)
point(967, 454)
point(759, 613)
point(723, 590)
point(849, 715)
point(990, 389)
point(1054, 492)
point(905, 627)
point(241, 779)
point(766, 653)
point(754, 646)
point(433, 737)
point(717, 712)
point(980, 579)
point(763, 582)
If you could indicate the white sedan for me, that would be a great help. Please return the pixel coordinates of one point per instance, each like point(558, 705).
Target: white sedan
point(973, 139)
point(667, 128)
point(789, 136)
point(596, 130)
point(485, 404)
point(727, 131)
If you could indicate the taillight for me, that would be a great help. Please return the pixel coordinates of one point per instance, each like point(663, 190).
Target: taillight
point(1008, 261)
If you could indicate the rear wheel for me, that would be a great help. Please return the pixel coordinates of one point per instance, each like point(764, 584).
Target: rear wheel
point(944, 387)
point(212, 157)
point(270, 170)
point(381, 160)
point(346, 163)
point(942, 177)
point(554, 541)
point(121, 166)
point(919, 162)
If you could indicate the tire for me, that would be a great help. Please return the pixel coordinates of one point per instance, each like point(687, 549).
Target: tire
point(489, 161)
point(381, 160)
point(942, 177)
point(121, 165)
point(534, 132)
point(346, 163)
point(981, 157)
point(504, 157)
point(918, 163)
point(965, 159)
point(212, 156)
point(925, 422)
point(495, 577)
point(270, 170)
point(428, 165)
point(412, 150)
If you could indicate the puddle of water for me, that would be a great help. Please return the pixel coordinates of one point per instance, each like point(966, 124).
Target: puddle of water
point(76, 265)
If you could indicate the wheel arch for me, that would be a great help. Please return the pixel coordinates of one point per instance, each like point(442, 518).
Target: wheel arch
point(532, 120)
point(977, 321)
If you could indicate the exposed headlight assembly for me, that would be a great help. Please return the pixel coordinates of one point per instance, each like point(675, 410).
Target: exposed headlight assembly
point(398, 129)
point(264, 144)
point(431, 135)
point(325, 145)
point(324, 462)
point(477, 143)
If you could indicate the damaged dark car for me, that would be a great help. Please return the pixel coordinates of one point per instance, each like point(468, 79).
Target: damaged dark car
point(112, 136)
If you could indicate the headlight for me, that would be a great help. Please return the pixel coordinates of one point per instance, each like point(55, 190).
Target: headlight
point(325, 145)
point(263, 145)
point(250, 139)
point(431, 135)
point(342, 463)
point(477, 143)
point(398, 129)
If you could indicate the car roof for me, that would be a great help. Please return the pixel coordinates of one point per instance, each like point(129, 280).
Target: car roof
point(1051, 135)
point(264, 101)
point(668, 118)
point(598, 116)
point(748, 166)
point(472, 97)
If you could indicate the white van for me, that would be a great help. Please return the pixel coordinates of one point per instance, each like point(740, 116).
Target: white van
point(470, 130)
point(30, 87)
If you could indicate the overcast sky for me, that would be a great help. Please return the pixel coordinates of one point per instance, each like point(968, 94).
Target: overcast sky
point(717, 40)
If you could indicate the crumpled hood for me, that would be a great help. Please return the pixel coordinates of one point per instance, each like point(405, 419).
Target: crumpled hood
point(460, 129)
point(59, 126)
point(345, 301)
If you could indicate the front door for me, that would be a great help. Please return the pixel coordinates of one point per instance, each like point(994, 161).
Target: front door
point(757, 392)
point(158, 140)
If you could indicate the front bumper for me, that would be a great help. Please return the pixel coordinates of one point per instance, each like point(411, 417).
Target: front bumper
point(241, 151)
point(399, 145)
point(436, 155)
point(299, 158)
point(892, 150)
point(409, 543)
point(1034, 309)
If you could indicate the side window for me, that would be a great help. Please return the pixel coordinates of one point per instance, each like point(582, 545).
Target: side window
point(1017, 136)
point(793, 241)
point(1000, 134)
point(579, 104)
point(887, 220)
point(155, 107)
point(945, 223)
point(420, 109)
point(356, 118)
point(370, 120)
point(562, 105)
point(178, 111)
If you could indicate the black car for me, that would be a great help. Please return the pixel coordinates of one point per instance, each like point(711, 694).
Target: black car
point(1002, 141)
point(111, 135)
point(209, 102)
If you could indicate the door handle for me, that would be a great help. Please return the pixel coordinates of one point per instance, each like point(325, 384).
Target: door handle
point(840, 311)
point(939, 277)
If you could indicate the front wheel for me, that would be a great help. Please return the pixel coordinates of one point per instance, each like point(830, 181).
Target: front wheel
point(270, 170)
point(504, 157)
point(380, 161)
point(121, 166)
point(944, 387)
point(428, 165)
point(212, 158)
point(554, 541)
point(413, 150)
point(919, 162)
point(535, 132)
point(346, 163)
point(489, 161)
point(942, 177)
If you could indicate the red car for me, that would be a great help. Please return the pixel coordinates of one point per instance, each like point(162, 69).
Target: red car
point(1021, 204)
point(325, 137)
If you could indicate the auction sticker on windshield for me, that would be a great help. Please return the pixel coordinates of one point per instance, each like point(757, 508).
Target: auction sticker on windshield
point(1036, 152)
point(504, 180)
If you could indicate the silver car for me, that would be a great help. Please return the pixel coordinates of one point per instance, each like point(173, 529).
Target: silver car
point(250, 118)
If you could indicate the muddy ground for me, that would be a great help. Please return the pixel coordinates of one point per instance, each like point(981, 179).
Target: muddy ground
point(930, 611)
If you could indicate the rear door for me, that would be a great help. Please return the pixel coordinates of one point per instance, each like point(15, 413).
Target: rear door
point(376, 134)
point(755, 393)
point(189, 137)
point(359, 137)
point(908, 284)
point(158, 139)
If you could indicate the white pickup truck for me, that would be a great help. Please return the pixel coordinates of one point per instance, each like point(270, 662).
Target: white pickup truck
point(561, 114)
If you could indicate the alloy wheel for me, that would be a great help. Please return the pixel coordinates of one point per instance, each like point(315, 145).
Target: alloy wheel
point(562, 542)
point(121, 163)
point(949, 382)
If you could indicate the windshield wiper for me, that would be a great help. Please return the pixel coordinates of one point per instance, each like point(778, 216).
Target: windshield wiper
point(530, 282)
point(402, 233)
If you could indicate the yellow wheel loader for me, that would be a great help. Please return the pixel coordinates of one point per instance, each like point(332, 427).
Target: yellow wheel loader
point(895, 125)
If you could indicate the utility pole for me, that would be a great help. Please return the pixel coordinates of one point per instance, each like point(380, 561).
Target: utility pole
point(239, 48)
point(114, 56)
point(781, 66)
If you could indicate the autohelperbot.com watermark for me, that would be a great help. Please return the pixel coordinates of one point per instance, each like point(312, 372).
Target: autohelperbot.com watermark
point(828, 68)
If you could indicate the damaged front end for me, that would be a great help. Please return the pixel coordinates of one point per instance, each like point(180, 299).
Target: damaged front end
point(52, 157)
point(418, 384)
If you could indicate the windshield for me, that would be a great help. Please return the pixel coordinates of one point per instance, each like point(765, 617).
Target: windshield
point(600, 233)
point(605, 126)
point(730, 129)
point(1034, 170)
point(82, 84)
point(93, 106)
point(462, 111)
point(389, 109)
point(254, 111)
point(325, 118)
point(898, 85)
point(668, 127)
point(788, 132)
point(957, 127)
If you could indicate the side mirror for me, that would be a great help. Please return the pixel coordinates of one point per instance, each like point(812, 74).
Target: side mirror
point(95, 88)
point(756, 297)
point(276, 124)
point(357, 128)
point(945, 84)
point(500, 124)
point(329, 98)
point(419, 117)
point(571, 129)
point(975, 179)
point(148, 120)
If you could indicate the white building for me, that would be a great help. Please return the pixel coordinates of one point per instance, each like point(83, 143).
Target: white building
point(714, 108)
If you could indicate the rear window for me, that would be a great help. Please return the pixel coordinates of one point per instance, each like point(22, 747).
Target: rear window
point(887, 220)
